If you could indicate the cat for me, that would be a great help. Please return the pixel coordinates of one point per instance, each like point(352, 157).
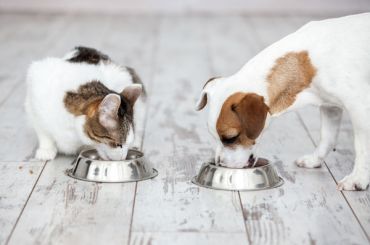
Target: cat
point(84, 98)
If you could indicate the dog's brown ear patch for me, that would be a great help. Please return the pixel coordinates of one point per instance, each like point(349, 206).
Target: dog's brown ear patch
point(291, 74)
point(252, 112)
point(242, 115)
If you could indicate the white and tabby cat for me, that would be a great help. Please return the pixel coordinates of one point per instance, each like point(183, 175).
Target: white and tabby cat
point(84, 99)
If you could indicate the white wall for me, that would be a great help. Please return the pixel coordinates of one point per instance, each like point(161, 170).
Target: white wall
point(188, 6)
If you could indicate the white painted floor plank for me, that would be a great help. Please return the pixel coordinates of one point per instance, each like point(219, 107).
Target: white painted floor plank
point(169, 206)
point(24, 38)
point(17, 181)
point(62, 210)
point(187, 238)
point(229, 47)
point(132, 42)
point(17, 139)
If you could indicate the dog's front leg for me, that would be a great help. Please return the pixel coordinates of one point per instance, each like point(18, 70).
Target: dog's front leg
point(330, 124)
point(359, 178)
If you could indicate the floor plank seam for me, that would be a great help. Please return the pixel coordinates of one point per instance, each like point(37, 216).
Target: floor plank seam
point(332, 175)
point(132, 216)
point(244, 219)
point(154, 54)
point(147, 100)
point(25, 204)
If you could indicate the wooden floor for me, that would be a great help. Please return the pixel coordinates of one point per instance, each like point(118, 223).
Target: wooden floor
point(39, 204)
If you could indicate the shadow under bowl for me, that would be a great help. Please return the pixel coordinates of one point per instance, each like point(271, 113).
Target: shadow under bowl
point(262, 176)
point(88, 166)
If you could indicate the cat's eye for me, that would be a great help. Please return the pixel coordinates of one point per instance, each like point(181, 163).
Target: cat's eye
point(103, 137)
point(229, 140)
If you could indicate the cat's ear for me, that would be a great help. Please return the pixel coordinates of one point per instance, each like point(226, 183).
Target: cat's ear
point(132, 92)
point(108, 111)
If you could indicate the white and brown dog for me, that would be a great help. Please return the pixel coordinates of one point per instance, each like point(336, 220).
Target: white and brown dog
point(325, 63)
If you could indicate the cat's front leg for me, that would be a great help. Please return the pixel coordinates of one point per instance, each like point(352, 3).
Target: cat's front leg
point(47, 149)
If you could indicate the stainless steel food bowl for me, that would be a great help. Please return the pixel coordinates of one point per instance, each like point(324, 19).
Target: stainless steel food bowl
point(89, 167)
point(261, 176)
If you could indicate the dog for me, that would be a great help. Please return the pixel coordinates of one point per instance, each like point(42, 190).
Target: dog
point(324, 63)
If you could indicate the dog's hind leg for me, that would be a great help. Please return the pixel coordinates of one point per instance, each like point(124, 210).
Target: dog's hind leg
point(330, 124)
point(360, 177)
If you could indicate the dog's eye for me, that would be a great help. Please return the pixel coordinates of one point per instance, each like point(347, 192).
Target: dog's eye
point(119, 145)
point(229, 140)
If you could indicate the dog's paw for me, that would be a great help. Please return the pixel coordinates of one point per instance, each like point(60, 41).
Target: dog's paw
point(45, 154)
point(353, 182)
point(309, 161)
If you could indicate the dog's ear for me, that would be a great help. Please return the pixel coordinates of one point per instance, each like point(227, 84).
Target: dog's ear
point(202, 101)
point(252, 112)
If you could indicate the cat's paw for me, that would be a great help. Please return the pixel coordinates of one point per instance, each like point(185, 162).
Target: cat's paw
point(309, 161)
point(46, 153)
point(353, 182)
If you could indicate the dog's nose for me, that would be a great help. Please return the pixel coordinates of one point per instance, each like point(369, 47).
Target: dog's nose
point(251, 160)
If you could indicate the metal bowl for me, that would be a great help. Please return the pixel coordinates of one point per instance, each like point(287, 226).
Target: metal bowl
point(261, 176)
point(89, 167)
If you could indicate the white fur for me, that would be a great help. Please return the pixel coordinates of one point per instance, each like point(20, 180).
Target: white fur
point(58, 130)
point(339, 49)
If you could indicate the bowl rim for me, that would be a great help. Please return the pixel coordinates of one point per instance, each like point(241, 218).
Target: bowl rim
point(81, 155)
point(195, 182)
point(69, 172)
point(213, 164)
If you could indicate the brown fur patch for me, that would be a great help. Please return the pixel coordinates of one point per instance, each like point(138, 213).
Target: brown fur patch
point(291, 74)
point(95, 131)
point(88, 55)
point(241, 119)
point(90, 93)
point(86, 101)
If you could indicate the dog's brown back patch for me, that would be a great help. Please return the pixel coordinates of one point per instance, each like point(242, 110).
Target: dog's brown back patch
point(242, 118)
point(291, 74)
